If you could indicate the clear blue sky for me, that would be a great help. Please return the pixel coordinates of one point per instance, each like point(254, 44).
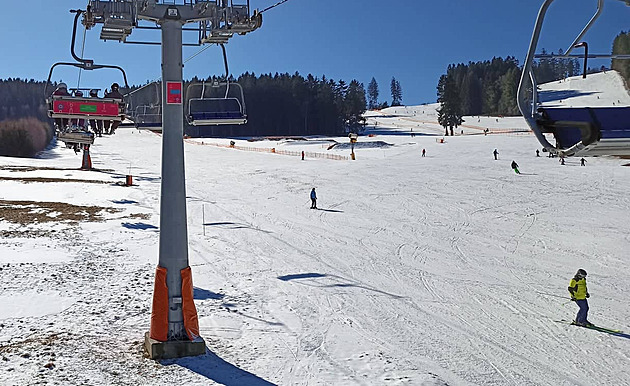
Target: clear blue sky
point(412, 40)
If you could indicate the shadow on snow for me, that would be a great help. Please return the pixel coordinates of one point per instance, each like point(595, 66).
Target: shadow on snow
point(234, 225)
point(321, 280)
point(218, 370)
point(138, 226)
point(203, 294)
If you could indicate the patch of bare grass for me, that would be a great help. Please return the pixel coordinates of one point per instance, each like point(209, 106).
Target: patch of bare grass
point(31, 212)
point(48, 179)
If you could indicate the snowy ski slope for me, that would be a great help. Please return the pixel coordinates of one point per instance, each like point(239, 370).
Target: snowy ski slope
point(447, 269)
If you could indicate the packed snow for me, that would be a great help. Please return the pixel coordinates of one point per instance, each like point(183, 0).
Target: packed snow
point(448, 269)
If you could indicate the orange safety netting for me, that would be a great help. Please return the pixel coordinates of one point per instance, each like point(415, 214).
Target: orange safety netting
point(159, 313)
point(191, 322)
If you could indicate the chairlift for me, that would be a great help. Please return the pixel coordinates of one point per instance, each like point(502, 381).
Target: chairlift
point(578, 131)
point(226, 110)
point(73, 111)
point(148, 117)
point(148, 114)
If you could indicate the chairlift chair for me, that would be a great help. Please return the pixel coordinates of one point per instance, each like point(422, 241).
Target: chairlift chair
point(147, 115)
point(73, 108)
point(228, 110)
point(204, 111)
point(578, 131)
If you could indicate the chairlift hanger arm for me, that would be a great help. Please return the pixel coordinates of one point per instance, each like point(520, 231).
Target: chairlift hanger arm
point(78, 13)
point(600, 9)
point(83, 66)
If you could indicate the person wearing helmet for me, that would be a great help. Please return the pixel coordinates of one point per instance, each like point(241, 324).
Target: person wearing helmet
point(111, 126)
point(96, 125)
point(579, 294)
point(114, 93)
point(79, 122)
point(62, 90)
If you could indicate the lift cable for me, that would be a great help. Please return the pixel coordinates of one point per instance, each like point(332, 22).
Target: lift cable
point(82, 52)
point(198, 52)
point(264, 10)
point(273, 6)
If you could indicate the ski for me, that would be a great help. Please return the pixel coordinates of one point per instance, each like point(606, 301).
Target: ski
point(592, 327)
point(602, 329)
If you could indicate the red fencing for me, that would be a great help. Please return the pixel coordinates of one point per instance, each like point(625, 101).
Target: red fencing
point(307, 154)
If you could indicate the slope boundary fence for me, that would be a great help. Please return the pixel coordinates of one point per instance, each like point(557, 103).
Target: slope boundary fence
point(307, 154)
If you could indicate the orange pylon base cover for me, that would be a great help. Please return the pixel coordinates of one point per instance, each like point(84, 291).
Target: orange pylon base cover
point(159, 313)
point(191, 322)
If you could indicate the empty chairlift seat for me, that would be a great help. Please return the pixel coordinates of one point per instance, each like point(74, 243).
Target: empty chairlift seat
point(599, 127)
point(148, 118)
point(216, 111)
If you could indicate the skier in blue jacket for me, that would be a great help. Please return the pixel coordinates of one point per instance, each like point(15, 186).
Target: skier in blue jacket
point(313, 199)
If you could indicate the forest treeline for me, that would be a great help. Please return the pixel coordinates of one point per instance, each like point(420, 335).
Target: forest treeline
point(277, 104)
point(490, 87)
point(291, 104)
point(621, 46)
point(22, 99)
point(24, 128)
point(285, 104)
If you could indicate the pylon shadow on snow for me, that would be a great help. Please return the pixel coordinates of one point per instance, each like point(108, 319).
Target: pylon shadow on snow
point(125, 201)
point(203, 294)
point(234, 225)
point(213, 367)
point(321, 280)
point(139, 226)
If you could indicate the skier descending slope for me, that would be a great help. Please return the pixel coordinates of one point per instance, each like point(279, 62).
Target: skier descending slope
point(579, 294)
point(515, 167)
point(313, 199)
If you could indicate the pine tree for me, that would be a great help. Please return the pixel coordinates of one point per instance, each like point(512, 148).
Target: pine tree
point(354, 106)
point(396, 92)
point(449, 112)
point(372, 94)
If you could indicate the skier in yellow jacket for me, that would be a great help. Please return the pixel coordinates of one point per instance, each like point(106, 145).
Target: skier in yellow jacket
point(579, 294)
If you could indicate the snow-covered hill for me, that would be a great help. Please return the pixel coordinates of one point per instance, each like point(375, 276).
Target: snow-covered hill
point(602, 89)
point(444, 269)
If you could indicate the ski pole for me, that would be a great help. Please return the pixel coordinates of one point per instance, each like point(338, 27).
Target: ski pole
point(554, 295)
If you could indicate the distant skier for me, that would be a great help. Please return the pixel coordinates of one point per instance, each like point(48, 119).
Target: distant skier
point(313, 199)
point(424, 152)
point(561, 160)
point(579, 294)
point(583, 162)
point(515, 167)
point(537, 153)
point(496, 153)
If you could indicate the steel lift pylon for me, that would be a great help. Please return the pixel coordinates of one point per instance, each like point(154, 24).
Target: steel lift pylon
point(174, 327)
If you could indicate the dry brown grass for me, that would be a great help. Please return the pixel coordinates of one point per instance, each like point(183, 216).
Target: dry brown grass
point(48, 179)
point(31, 212)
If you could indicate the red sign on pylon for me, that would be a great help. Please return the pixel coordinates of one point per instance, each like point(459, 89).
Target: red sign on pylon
point(174, 93)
